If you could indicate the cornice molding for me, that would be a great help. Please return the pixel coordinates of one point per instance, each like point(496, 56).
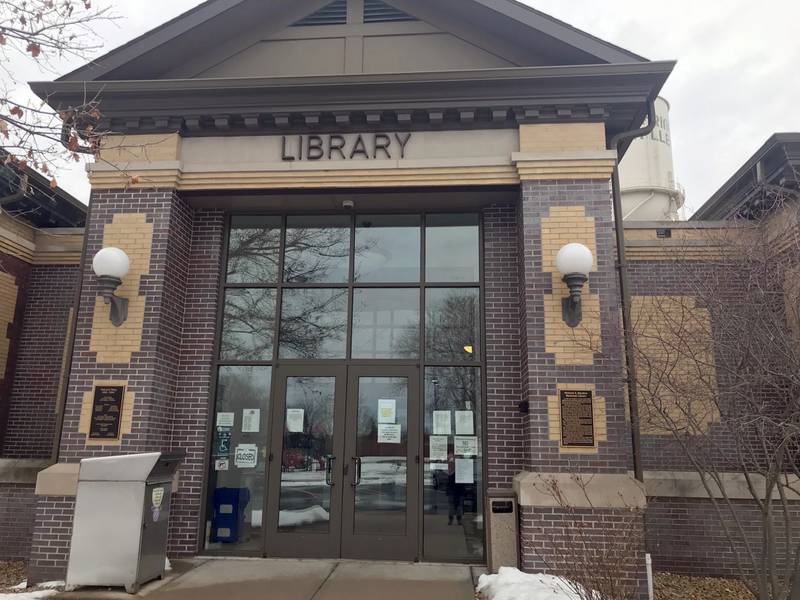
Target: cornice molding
point(488, 98)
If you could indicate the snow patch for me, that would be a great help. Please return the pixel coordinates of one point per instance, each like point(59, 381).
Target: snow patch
point(21, 586)
point(37, 595)
point(51, 585)
point(167, 565)
point(513, 584)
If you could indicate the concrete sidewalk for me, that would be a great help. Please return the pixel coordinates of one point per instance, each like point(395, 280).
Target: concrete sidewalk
point(275, 579)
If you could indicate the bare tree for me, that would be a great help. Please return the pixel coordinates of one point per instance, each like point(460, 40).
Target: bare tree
point(594, 563)
point(46, 31)
point(718, 373)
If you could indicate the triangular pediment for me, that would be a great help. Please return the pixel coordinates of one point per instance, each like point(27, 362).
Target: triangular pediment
point(294, 38)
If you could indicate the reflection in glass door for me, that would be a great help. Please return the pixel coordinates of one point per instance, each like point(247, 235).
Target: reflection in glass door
point(305, 504)
point(380, 492)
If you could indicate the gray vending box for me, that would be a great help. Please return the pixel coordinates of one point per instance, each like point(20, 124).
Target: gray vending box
point(119, 533)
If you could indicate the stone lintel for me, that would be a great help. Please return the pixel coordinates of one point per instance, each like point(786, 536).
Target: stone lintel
point(60, 479)
point(688, 484)
point(589, 490)
point(21, 470)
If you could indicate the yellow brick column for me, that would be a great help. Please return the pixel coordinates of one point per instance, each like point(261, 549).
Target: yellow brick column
point(8, 306)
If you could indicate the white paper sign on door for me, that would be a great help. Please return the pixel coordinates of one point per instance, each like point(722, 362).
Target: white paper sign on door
point(466, 446)
point(225, 419)
point(256, 518)
point(387, 411)
point(438, 447)
point(441, 422)
point(465, 422)
point(251, 420)
point(294, 419)
point(464, 471)
point(246, 456)
point(389, 433)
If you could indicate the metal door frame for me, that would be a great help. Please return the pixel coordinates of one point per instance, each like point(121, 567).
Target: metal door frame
point(305, 545)
point(371, 546)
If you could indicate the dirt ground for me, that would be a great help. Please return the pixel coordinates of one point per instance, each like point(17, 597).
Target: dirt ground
point(11, 574)
point(674, 587)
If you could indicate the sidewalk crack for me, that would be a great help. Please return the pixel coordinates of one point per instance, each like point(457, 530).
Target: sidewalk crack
point(322, 585)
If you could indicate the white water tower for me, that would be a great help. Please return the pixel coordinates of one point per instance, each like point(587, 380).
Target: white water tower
point(647, 175)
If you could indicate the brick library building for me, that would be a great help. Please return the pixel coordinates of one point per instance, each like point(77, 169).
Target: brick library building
point(362, 264)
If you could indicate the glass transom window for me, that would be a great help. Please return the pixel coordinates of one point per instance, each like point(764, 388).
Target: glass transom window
point(352, 287)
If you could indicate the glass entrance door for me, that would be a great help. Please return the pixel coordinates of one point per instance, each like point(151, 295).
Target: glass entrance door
point(344, 463)
point(305, 502)
point(381, 496)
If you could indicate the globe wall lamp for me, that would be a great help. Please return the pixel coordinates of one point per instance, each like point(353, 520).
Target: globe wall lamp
point(574, 262)
point(111, 265)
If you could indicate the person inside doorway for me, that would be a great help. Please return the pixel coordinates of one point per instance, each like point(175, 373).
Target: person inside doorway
point(455, 493)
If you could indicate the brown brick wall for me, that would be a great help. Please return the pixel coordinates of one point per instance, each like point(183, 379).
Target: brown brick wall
point(550, 537)
point(50, 540)
point(17, 510)
point(505, 439)
point(685, 535)
point(151, 374)
point(543, 374)
point(193, 394)
point(31, 426)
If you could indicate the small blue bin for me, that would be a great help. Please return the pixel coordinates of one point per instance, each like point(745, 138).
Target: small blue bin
point(228, 517)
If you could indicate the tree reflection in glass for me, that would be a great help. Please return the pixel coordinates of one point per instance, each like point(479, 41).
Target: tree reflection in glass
point(248, 324)
point(453, 508)
point(305, 499)
point(317, 249)
point(313, 323)
point(452, 324)
point(254, 249)
point(237, 495)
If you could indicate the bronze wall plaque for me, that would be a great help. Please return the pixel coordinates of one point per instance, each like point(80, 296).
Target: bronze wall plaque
point(106, 412)
point(577, 418)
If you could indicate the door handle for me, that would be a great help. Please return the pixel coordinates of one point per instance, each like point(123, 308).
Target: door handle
point(357, 476)
point(329, 460)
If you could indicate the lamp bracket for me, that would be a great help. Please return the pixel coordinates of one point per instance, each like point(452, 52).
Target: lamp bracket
point(571, 306)
point(107, 285)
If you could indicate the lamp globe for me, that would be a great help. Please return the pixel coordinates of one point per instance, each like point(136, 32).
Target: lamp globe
point(111, 262)
point(574, 259)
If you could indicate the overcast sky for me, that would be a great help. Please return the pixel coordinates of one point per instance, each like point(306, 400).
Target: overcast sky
point(736, 81)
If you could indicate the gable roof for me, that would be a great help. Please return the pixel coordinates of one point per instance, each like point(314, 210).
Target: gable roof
point(520, 30)
point(461, 64)
point(777, 162)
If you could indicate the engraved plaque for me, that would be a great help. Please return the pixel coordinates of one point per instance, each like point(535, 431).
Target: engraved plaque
point(106, 412)
point(577, 418)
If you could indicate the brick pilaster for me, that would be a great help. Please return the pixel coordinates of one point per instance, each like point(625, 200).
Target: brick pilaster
point(154, 226)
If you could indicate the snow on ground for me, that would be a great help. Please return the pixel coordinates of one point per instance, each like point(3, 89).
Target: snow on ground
point(37, 595)
point(513, 584)
point(51, 585)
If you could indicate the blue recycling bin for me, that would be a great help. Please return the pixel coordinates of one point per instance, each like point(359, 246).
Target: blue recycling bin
point(228, 517)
